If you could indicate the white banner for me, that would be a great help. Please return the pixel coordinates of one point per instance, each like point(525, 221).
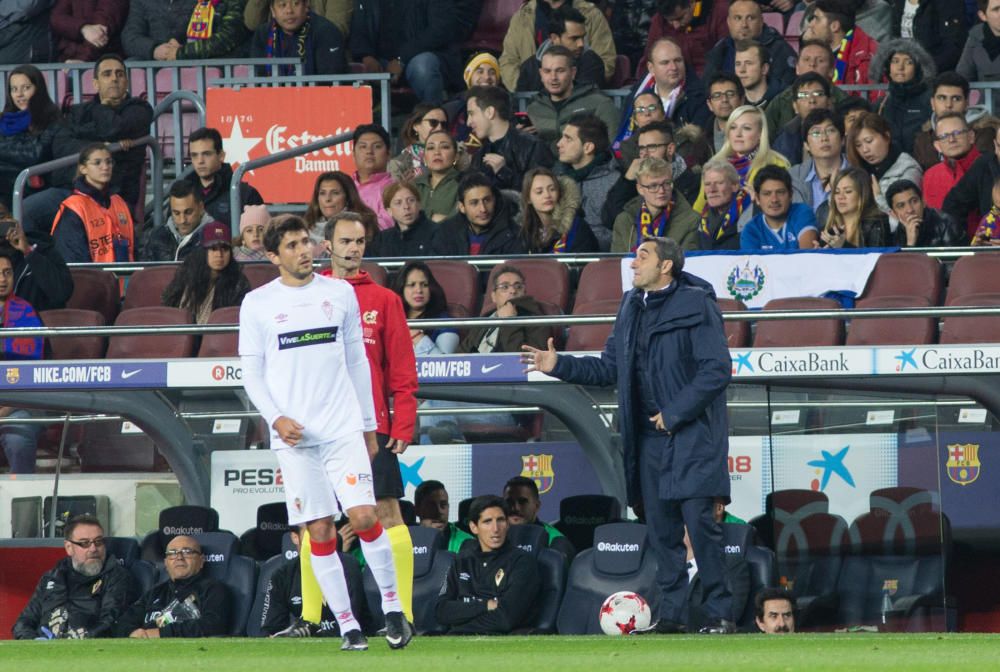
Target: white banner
point(749, 476)
point(452, 465)
point(242, 480)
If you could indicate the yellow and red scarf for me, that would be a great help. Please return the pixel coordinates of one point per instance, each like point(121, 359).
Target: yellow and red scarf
point(200, 26)
point(648, 227)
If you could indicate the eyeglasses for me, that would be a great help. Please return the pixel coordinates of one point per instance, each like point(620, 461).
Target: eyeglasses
point(649, 148)
point(101, 162)
point(435, 123)
point(182, 552)
point(507, 286)
point(953, 136)
point(806, 95)
point(658, 186)
point(646, 109)
point(719, 95)
point(87, 543)
point(823, 133)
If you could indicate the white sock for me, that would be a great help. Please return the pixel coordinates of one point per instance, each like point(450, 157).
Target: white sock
point(378, 555)
point(329, 573)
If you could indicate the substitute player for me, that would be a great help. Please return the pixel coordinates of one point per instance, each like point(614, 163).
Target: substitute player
point(305, 369)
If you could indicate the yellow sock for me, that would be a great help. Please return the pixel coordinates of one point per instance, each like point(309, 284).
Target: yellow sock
point(312, 597)
point(402, 557)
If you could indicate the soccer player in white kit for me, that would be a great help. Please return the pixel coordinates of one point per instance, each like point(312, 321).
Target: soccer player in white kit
point(305, 369)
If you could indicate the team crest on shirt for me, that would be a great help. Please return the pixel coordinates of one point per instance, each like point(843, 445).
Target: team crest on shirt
point(96, 587)
point(351, 479)
point(370, 317)
point(281, 318)
point(298, 505)
point(327, 309)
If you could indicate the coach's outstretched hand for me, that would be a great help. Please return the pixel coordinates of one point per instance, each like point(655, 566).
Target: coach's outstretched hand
point(539, 360)
point(289, 430)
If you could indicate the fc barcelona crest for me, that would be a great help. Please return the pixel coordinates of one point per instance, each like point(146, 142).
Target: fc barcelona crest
point(963, 462)
point(539, 469)
point(13, 375)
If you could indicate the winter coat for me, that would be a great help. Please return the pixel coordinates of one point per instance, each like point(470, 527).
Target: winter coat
point(69, 16)
point(200, 596)
point(937, 230)
point(984, 125)
point(695, 40)
point(975, 63)
point(594, 189)
point(521, 152)
point(973, 193)
point(337, 12)
point(510, 339)
point(217, 194)
point(682, 226)
point(414, 242)
point(93, 603)
point(589, 70)
point(939, 27)
point(863, 49)
point(567, 214)
point(165, 243)
point(442, 199)
point(283, 600)
point(519, 43)
point(722, 57)
point(941, 177)
point(42, 277)
point(907, 106)
point(324, 39)
point(503, 236)
point(690, 368)
point(153, 22)
point(549, 117)
point(905, 167)
point(26, 149)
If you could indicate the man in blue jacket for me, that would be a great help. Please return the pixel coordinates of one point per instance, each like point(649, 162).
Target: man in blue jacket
point(668, 356)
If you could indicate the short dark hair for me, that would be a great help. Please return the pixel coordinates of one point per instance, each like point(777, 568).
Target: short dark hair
point(483, 502)
point(76, 521)
point(592, 129)
point(950, 78)
point(841, 11)
point(811, 78)
point(342, 216)
point(559, 18)
point(425, 490)
point(521, 481)
point(370, 128)
point(491, 96)
point(108, 57)
point(500, 270)
point(668, 7)
point(472, 180)
point(821, 116)
point(747, 45)
point(278, 227)
point(725, 77)
point(559, 50)
point(771, 593)
point(667, 249)
point(772, 172)
point(851, 103)
point(665, 126)
point(185, 188)
point(900, 186)
point(207, 134)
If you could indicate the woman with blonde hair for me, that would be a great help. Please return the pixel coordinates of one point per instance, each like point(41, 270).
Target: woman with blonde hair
point(854, 219)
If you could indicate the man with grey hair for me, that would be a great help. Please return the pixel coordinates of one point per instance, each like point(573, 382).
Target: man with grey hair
point(656, 211)
point(83, 595)
point(668, 356)
point(727, 207)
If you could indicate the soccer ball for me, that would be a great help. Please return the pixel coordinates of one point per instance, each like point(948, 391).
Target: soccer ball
point(624, 612)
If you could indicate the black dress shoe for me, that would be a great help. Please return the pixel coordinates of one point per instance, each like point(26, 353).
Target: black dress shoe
point(662, 627)
point(718, 626)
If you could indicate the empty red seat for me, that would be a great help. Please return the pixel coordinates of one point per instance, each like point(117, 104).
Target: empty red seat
point(892, 330)
point(972, 329)
point(378, 274)
point(95, 289)
point(906, 274)
point(259, 274)
point(547, 280)
point(145, 287)
point(151, 347)
point(460, 283)
point(601, 279)
point(974, 274)
point(798, 333)
point(494, 18)
point(591, 337)
point(75, 347)
point(737, 332)
point(221, 345)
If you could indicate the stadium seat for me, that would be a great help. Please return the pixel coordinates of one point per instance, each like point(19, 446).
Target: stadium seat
point(221, 345)
point(799, 333)
point(591, 337)
point(260, 274)
point(892, 330)
point(902, 499)
point(126, 551)
point(791, 503)
point(460, 283)
point(176, 520)
point(623, 70)
point(793, 31)
point(237, 572)
point(776, 20)
point(600, 280)
point(94, 289)
point(580, 515)
point(973, 329)
point(379, 275)
point(972, 274)
point(147, 346)
point(267, 569)
point(492, 26)
point(113, 446)
point(809, 552)
point(915, 587)
point(75, 347)
point(906, 274)
point(264, 539)
point(145, 287)
point(619, 560)
point(737, 332)
point(552, 571)
point(546, 280)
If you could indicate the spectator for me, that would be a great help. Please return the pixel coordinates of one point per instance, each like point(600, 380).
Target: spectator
point(249, 245)
point(568, 29)
point(814, 56)
point(423, 298)
point(646, 109)
point(812, 92)
point(83, 595)
point(94, 224)
point(958, 153)
point(188, 603)
point(747, 148)
point(182, 233)
point(424, 119)
point(980, 60)
point(334, 192)
point(721, 515)
point(506, 153)
point(413, 41)
point(412, 231)
point(584, 157)
point(491, 588)
point(337, 12)
point(371, 157)
point(484, 224)
point(431, 503)
point(725, 94)
point(752, 66)
point(972, 196)
point(657, 211)
point(631, 23)
point(84, 30)
point(523, 504)
point(185, 30)
point(950, 94)
point(695, 24)
point(833, 23)
point(823, 134)
point(210, 278)
point(41, 276)
point(481, 70)
point(855, 219)
point(921, 226)
point(509, 295)
point(438, 185)
point(781, 224)
point(550, 109)
point(937, 25)
point(909, 70)
point(295, 31)
point(727, 207)
point(851, 109)
point(745, 21)
point(530, 25)
point(552, 222)
point(24, 31)
point(27, 126)
point(774, 611)
point(988, 230)
point(214, 176)
point(870, 147)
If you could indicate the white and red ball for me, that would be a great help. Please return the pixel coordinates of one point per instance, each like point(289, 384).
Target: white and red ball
point(624, 612)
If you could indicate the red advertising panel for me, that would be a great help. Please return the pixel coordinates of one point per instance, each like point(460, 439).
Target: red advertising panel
point(256, 122)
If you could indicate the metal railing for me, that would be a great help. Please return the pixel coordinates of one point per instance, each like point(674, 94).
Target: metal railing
point(172, 104)
point(71, 160)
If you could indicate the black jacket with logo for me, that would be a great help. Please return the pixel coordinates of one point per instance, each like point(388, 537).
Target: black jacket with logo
point(194, 607)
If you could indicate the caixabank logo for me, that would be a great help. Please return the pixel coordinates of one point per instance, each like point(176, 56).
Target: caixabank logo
point(790, 362)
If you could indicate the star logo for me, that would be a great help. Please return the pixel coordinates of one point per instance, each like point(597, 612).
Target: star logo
point(906, 358)
point(411, 472)
point(238, 147)
point(831, 464)
point(743, 361)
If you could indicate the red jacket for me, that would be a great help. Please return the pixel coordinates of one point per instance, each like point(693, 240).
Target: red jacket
point(697, 39)
point(69, 16)
point(863, 49)
point(941, 177)
point(390, 356)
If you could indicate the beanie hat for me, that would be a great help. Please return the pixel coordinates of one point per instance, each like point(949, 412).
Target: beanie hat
point(254, 215)
point(477, 60)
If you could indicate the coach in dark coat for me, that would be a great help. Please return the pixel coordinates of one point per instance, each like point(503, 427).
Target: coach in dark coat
point(668, 356)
